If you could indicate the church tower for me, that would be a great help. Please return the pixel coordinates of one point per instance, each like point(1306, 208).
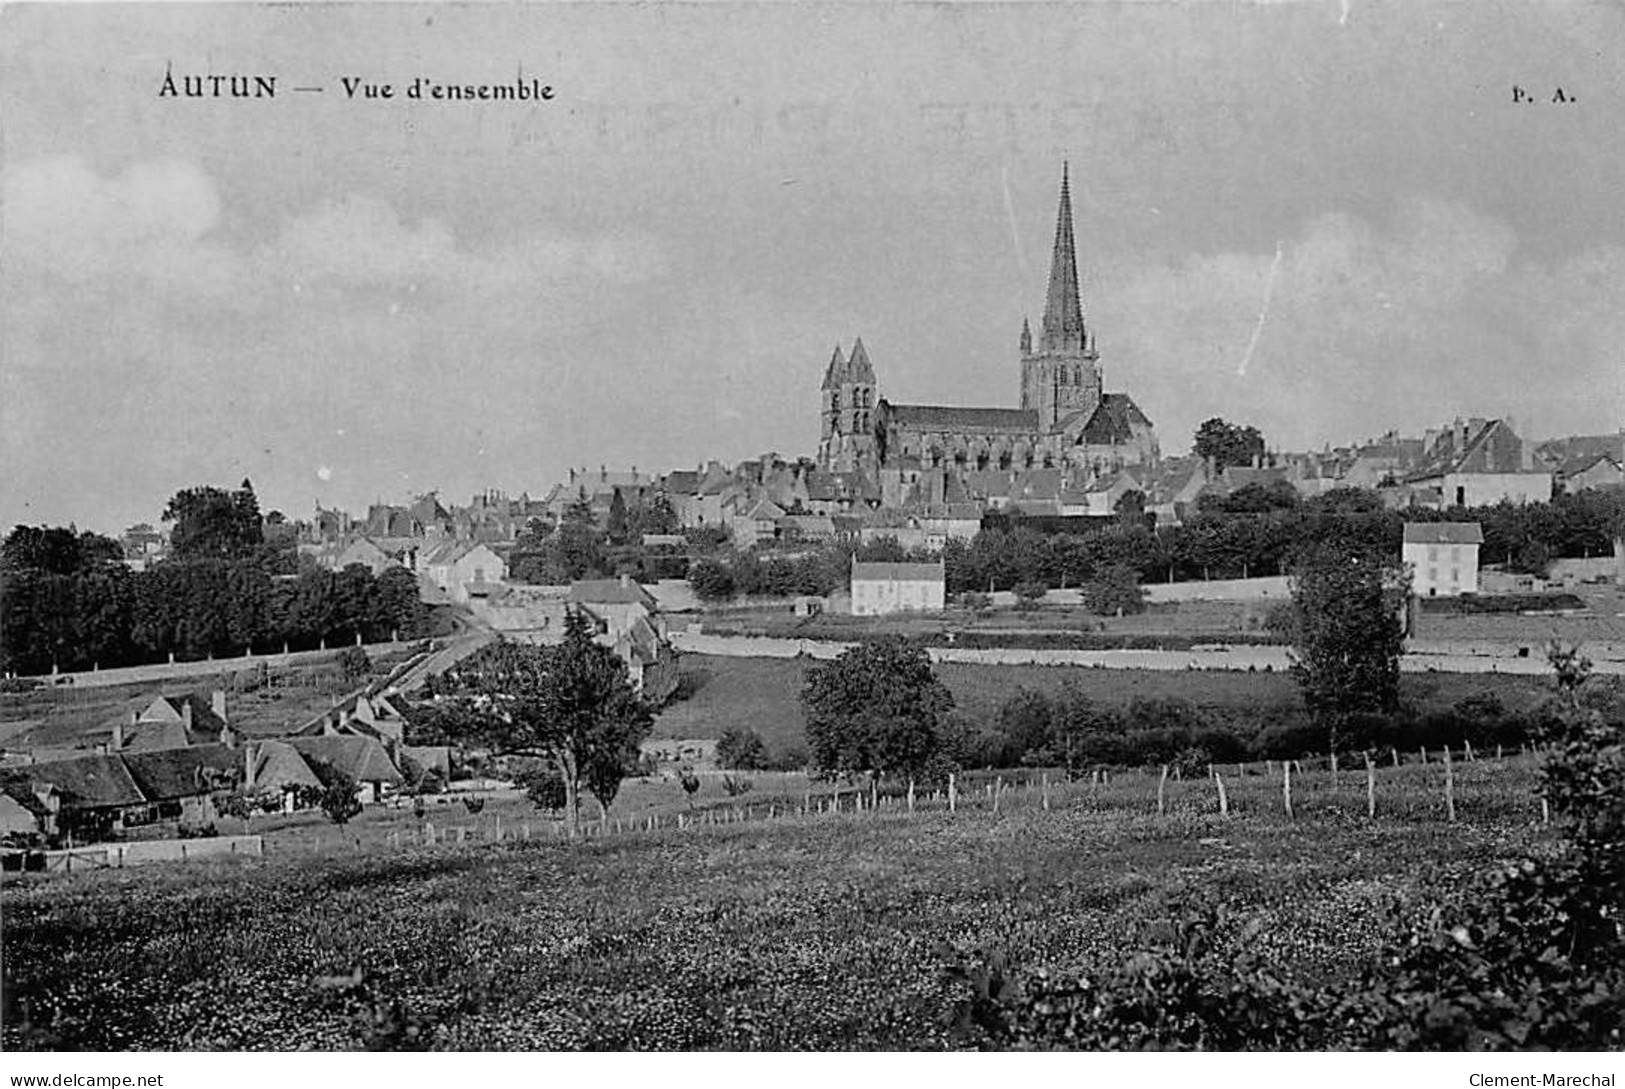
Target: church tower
point(1062, 375)
point(848, 433)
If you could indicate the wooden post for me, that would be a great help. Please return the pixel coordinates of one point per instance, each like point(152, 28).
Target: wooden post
point(1046, 792)
point(911, 794)
point(1497, 752)
point(1224, 799)
point(499, 827)
point(1449, 788)
point(527, 829)
point(1468, 745)
point(1370, 787)
point(996, 789)
point(1162, 785)
point(1286, 786)
point(1395, 751)
point(1545, 811)
point(953, 794)
point(1424, 752)
point(1334, 769)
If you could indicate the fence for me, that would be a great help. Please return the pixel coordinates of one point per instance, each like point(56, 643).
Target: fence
point(104, 856)
point(1421, 786)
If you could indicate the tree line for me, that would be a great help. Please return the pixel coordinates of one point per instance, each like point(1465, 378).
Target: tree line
point(70, 603)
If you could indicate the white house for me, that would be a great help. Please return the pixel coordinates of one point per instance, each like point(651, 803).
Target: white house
point(1442, 557)
point(881, 588)
point(462, 570)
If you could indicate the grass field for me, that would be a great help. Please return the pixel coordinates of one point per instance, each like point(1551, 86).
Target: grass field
point(825, 931)
point(761, 693)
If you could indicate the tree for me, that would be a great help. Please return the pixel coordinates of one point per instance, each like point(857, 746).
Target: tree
point(354, 664)
point(1130, 508)
point(1114, 589)
point(543, 786)
point(878, 708)
point(571, 704)
point(339, 798)
point(212, 523)
point(1347, 632)
point(712, 580)
point(1227, 443)
point(739, 749)
point(617, 518)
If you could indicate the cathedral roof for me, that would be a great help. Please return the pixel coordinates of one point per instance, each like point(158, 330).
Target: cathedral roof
point(1111, 423)
point(946, 418)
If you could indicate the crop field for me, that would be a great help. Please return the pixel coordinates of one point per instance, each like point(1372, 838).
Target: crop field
point(821, 931)
point(761, 693)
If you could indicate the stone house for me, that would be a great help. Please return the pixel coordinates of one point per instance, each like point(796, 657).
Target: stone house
point(1442, 557)
point(879, 589)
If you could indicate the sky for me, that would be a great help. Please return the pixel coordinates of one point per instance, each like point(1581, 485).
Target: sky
point(1323, 219)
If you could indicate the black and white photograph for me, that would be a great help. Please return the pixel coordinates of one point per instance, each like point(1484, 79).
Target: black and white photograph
point(812, 527)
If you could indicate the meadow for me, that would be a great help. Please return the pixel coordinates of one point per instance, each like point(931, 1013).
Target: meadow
point(761, 694)
point(823, 930)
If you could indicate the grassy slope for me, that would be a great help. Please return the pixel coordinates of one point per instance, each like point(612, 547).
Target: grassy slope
point(761, 693)
point(824, 932)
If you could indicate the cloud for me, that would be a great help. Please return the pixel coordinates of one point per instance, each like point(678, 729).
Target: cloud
point(1433, 314)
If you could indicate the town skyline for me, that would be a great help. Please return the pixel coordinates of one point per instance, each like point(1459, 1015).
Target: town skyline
point(654, 273)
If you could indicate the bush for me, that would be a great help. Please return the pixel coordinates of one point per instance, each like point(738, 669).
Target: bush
point(354, 663)
point(1114, 590)
point(543, 785)
point(740, 749)
point(1029, 594)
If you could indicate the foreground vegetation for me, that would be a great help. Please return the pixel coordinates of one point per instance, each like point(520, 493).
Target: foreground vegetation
point(872, 930)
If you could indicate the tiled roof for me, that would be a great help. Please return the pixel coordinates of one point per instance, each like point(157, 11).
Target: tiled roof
point(90, 782)
point(683, 482)
point(897, 572)
point(278, 765)
point(610, 592)
point(167, 774)
point(1443, 533)
point(952, 418)
point(1111, 423)
point(361, 758)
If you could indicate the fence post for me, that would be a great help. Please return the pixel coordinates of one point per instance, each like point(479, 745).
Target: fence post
point(911, 794)
point(1449, 788)
point(1424, 751)
point(1224, 799)
point(1545, 811)
point(1162, 784)
point(1046, 792)
point(1370, 787)
point(953, 794)
point(1497, 752)
point(997, 789)
point(1395, 751)
point(1334, 769)
point(1286, 786)
point(1468, 745)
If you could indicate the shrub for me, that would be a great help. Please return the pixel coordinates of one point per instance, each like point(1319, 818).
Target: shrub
point(1114, 589)
point(354, 663)
point(740, 749)
point(543, 785)
point(1029, 594)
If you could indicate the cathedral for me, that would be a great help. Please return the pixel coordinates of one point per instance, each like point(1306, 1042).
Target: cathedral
point(1065, 421)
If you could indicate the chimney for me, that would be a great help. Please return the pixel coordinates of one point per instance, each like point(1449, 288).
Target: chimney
point(626, 581)
point(217, 704)
point(118, 733)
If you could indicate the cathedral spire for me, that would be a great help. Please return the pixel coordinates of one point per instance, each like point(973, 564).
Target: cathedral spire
point(859, 363)
point(1063, 309)
point(1026, 337)
point(832, 374)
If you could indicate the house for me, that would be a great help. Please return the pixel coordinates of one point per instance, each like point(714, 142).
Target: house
point(754, 520)
point(464, 570)
point(1594, 470)
point(882, 588)
point(369, 554)
point(278, 769)
point(177, 783)
point(627, 619)
point(1477, 463)
point(173, 722)
point(363, 759)
point(87, 797)
point(1442, 557)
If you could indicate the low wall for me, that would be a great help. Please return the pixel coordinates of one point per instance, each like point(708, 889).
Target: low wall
point(103, 856)
point(1273, 587)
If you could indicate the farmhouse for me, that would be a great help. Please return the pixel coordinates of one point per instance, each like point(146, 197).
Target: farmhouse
point(1442, 557)
point(882, 588)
